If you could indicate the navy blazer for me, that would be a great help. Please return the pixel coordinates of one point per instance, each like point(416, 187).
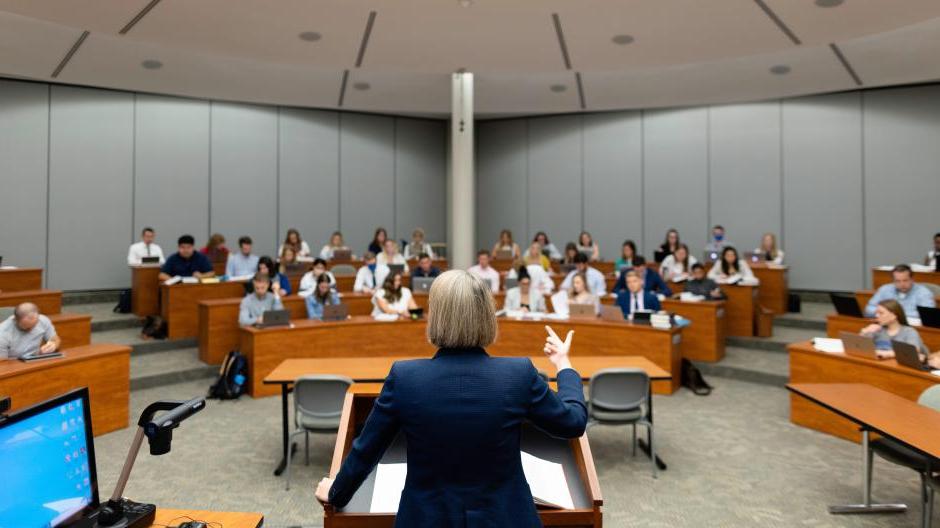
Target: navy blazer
point(652, 281)
point(461, 413)
point(650, 302)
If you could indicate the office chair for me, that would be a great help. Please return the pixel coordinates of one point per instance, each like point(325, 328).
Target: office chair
point(318, 406)
point(619, 396)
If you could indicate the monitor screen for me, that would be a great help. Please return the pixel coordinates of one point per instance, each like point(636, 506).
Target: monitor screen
point(48, 460)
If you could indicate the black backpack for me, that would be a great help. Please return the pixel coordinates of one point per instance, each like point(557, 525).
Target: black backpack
point(124, 303)
point(232, 377)
point(692, 378)
point(154, 327)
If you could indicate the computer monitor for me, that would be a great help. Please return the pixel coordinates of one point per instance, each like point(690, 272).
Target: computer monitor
point(47, 453)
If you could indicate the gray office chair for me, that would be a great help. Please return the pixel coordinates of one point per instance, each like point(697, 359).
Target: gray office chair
point(620, 396)
point(343, 270)
point(318, 405)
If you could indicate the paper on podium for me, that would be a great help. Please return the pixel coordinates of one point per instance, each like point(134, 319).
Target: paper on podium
point(547, 482)
point(560, 303)
point(828, 345)
point(173, 280)
point(389, 483)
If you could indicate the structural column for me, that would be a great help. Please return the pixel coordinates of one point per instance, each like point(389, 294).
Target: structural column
point(461, 177)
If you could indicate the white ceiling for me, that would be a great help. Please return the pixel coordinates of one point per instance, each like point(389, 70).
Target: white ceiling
point(685, 52)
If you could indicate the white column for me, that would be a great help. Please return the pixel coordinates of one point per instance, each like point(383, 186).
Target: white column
point(461, 177)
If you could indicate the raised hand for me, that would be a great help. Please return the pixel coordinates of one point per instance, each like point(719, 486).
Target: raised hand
point(556, 349)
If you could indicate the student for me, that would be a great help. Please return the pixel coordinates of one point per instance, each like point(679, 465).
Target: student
point(676, 266)
point(393, 298)
point(425, 267)
point(571, 251)
point(287, 263)
point(905, 291)
point(548, 249)
point(933, 256)
point(635, 298)
point(27, 331)
point(541, 281)
point(595, 279)
point(280, 285)
point(215, 249)
point(336, 243)
point(242, 263)
point(699, 284)
point(768, 249)
point(652, 281)
point(534, 256)
point(378, 241)
point(370, 275)
point(730, 269)
point(891, 325)
point(260, 300)
point(717, 243)
point(300, 247)
point(418, 245)
point(524, 297)
point(580, 292)
point(390, 255)
point(506, 244)
point(668, 247)
point(588, 246)
point(309, 281)
point(145, 248)
point(627, 254)
point(322, 295)
point(186, 262)
point(484, 271)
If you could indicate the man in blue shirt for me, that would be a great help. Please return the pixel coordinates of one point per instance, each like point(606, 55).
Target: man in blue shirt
point(595, 279)
point(186, 262)
point(903, 290)
point(243, 263)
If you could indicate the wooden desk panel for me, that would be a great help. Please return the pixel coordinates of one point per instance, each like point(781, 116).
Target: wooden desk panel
point(167, 517)
point(774, 291)
point(219, 267)
point(73, 329)
point(20, 279)
point(808, 365)
point(145, 290)
point(704, 339)
point(103, 368)
point(836, 323)
point(48, 301)
point(741, 309)
point(180, 304)
point(881, 277)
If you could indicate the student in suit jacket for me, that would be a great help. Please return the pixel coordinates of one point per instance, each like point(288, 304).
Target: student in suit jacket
point(652, 280)
point(635, 297)
point(464, 468)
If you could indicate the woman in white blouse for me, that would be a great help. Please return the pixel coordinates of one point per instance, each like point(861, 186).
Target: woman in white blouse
point(524, 297)
point(393, 298)
point(390, 255)
point(309, 281)
point(588, 246)
point(336, 243)
point(418, 245)
point(677, 265)
point(300, 247)
point(731, 268)
point(768, 249)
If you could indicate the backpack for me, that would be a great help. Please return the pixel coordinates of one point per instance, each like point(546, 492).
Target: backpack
point(692, 378)
point(154, 327)
point(124, 303)
point(232, 377)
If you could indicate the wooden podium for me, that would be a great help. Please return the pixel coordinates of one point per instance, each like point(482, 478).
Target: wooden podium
point(574, 455)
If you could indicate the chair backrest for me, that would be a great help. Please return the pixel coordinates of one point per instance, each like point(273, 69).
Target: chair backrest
point(619, 389)
point(934, 288)
point(343, 270)
point(930, 397)
point(320, 395)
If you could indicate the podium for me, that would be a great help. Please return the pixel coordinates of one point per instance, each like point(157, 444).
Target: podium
point(574, 455)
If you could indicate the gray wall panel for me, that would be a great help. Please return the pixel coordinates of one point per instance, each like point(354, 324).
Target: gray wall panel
point(24, 136)
point(244, 175)
point(675, 177)
point(554, 183)
point(90, 187)
point(367, 172)
point(501, 181)
point(171, 167)
point(823, 191)
point(420, 178)
point(613, 171)
point(309, 174)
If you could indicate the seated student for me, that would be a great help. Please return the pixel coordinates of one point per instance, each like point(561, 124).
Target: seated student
point(370, 276)
point(506, 244)
point(635, 298)
point(336, 243)
point(280, 285)
point(260, 300)
point(627, 254)
point(933, 256)
point(242, 263)
point(393, 297)
point(905, 291)
point(548, 249)
point(891, 325)
point(580, 292)
point(571, 251)
point(287, 263)
point(730, 268)
point(425, 267)
point(768, 249)
point(26, 331)
point(300, 247)
point(186, 262)
point(652, 281)
point(718, 243)
point(309, 281)
point(668, 247)
point(699, 284)
point(676, 266)
point(595, 279)
point(534, 256)
point(322, 295)
point(418, 245)
point(541, 280)
point(588, 246)
point(378, 241)
point(145, 248)
point(215, 249)
point(524, 297)
point(484, 271)
point(390, 255)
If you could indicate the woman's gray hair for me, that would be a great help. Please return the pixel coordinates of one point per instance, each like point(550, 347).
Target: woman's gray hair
point(461, 311)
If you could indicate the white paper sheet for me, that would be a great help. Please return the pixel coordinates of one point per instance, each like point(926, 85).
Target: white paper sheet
point(560, 303)
point(547, 481)
point(389, 483)
point(828, 345)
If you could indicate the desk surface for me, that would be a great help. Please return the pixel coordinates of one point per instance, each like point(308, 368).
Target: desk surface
point(215, 519)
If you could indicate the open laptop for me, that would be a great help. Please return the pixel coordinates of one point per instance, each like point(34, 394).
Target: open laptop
point(504, 254)
point(907, 354)
point(150, 260)
point(510, 282)
point(342, 254)
point(567, 268)
point(641, 317)
point(858, 345)
point(421, 284)
point(755, 256)
point(395, 269)
point(846, 305)
point(929, 316)
point(417, 313)
point(611, 313)
point(35, 355)
point(336, 312)
point(272, 318)
point(710, 256)
point(582, 310)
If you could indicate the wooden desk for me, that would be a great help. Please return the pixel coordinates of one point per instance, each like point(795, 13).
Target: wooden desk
point(172, 518)
point(774, 291)
point(145, 290)
point(808, 365)
point(836, 323)
point(103, 368)
point(180, 308)
point(740, 308)
point(880, 277)
point(48, 301)
point(704, 339)
point(863, 296)
point(73, 329)
point(19, 279)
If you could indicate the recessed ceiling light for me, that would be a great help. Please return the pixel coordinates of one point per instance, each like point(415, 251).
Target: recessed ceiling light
point(558, 88)
point(361, 86)
point(151, 64)
point(623, 40)
point(310, 36)
point(780, 69)
point(829, 3)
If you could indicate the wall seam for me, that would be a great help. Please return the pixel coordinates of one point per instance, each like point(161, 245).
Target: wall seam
point(134, 171)
point(45, 275)
point(708, 173)
point(339, 171)
point(395, 178)
point(782, 242)
point(527, 156)
point(209, 208)
point(642, 180)
point(277, 185)
point(583, 157)
point(864, 259)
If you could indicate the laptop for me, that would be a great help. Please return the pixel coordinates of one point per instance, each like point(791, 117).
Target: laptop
point(336, 312)
point(504, 254)
point(929, 316)
point(846, 305)
point(297, 268)
point(710, 256)
point(858, 345)
point(150, 260)
point(35, 355)
point(395, 269)
point(755, 256)
point(510, 282)
point(342, 254)
point(567, 268)
point(611, 313)
point(272, 318)
point(641, 317)
point(417, 313)
point(907, 354)
point(421, 284)
point(582, 310)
